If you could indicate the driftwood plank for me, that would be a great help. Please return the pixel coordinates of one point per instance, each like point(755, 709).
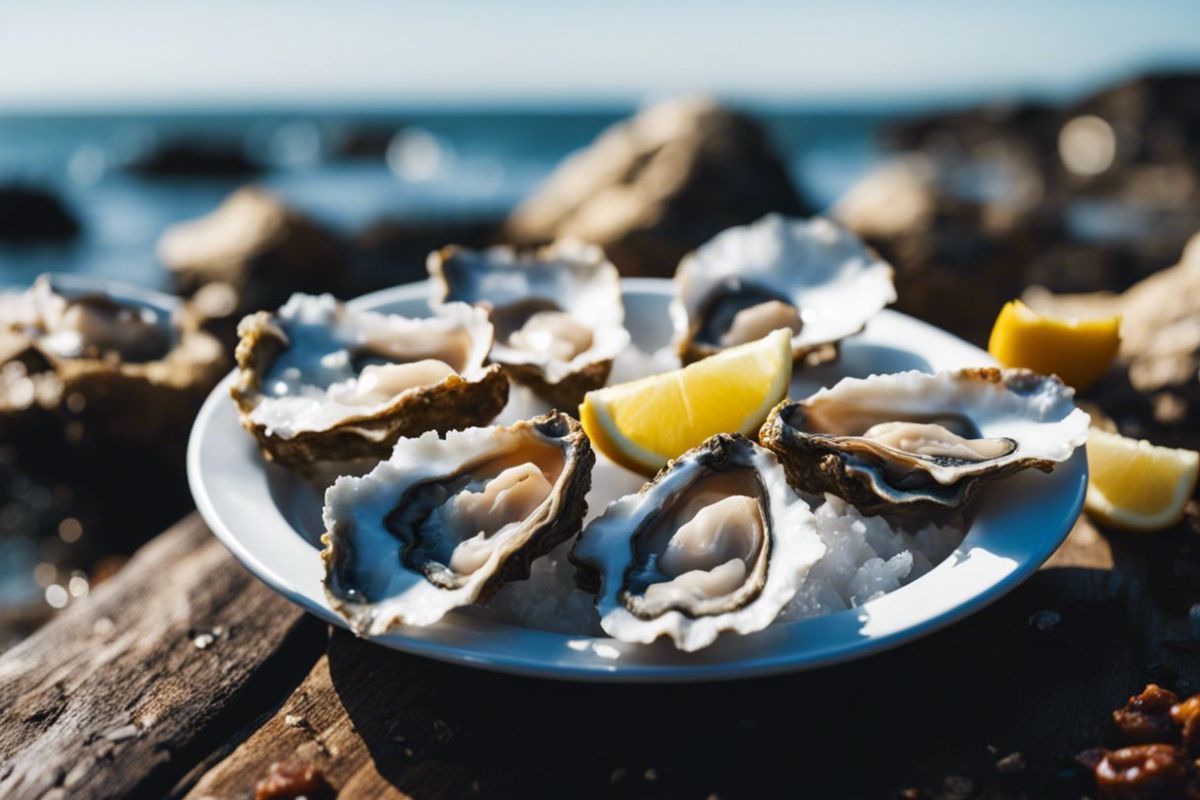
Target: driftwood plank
point(1036, 674)
point(123, 694)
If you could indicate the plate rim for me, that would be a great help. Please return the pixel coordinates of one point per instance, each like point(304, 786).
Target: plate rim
point(526, 655)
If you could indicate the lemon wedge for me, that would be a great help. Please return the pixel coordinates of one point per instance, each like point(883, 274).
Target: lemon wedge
point(1078, 351)
point(645, 423)
point(1134, 485)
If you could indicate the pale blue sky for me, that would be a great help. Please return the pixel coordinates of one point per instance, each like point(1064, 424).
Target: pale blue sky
point(68, 53)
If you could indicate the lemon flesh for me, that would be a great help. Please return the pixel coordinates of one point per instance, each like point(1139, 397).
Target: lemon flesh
point(645, 423)
point(1078, 351)
point(1134, 485)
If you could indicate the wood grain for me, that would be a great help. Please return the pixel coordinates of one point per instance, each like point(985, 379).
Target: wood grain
point(124, 693)
point(142, 711)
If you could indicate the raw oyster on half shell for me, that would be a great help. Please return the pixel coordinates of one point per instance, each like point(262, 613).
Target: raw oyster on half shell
point(810, 276)
point(718, 541)
point(915, 440)
point(129, 369)
point(322, 384)
point(558, 312)
point(444, 523)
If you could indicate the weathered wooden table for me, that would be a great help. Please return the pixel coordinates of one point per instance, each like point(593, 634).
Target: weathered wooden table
point(185, 677)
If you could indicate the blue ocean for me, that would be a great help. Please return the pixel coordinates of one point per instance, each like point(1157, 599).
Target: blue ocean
point(442, 165)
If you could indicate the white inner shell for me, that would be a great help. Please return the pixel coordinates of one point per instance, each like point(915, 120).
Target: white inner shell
point(469, 533)
point(708, 555)
point(833, 282)
point(573, 293)
point(341, 363)
point(1044, 423)
point(79, 324)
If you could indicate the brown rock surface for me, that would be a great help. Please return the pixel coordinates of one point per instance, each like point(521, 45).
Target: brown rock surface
point(259, 247)
point(654, 187)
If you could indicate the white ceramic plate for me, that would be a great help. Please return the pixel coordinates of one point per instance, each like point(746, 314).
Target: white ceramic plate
point(271, 522)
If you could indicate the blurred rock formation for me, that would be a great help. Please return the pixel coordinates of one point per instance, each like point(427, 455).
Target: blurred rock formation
point(654, 187)
point(31, 214)
point(195, 159)
point(1090, 196)
point(252, 253)
point(392, 251)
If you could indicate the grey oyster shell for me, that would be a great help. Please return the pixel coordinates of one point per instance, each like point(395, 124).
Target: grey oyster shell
point(718, 541)
point(568, 288)
point(393, 556)
point(867, 440)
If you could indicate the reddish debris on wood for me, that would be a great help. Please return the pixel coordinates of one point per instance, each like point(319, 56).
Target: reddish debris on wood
point(290, 781)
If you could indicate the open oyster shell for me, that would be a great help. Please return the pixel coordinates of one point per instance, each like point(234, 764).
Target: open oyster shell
point(718, 541)
point(321, 385)
point(915, 440)
point(127, 369)
point(811, 276)
point(444, 523)
point(558, 312)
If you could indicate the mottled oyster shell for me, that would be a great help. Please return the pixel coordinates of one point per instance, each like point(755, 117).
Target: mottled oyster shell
point(558, 312)
point(444, 523)
point(321, 385)
point(811, 276)
point(718, 541)
point(126, 366)
point(915, 440)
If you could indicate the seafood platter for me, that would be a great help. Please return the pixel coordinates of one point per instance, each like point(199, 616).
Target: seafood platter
point(425, 466)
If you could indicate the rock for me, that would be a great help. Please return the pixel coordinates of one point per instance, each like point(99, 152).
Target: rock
point(251, 253)
point(1155, 389)
point(393, 251)
point(957, 258)
point(1115, 176)
point(29, 214)
point(656, 186)
point(196, 159)
point(363, 142)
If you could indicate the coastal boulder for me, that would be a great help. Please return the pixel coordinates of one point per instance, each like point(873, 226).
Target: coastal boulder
point(195, 159)
point(254, 251)
point(30, 214)
point(656, 186)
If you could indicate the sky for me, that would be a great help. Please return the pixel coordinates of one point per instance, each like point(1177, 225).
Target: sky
point(65, 54)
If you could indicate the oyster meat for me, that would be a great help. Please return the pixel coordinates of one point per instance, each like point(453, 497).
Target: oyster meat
point(810, 276)
point(444, 523)
point(915, 440)
point(558, 312)
point(127, 368)
point(321, 384)
point(718, 541)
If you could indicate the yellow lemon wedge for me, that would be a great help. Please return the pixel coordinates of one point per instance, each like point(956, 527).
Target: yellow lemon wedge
point(1078, 351)
point(1134, 485)
point(644, 423)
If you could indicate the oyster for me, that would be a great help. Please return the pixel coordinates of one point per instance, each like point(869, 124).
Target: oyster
point(717, 541)
point(444, 523)
point(320, 384)
point(126, 368)
point(558, 312)
point(915, 440)
point(811, 276)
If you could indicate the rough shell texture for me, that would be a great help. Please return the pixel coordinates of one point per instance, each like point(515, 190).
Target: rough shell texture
point(1035, 413)
point(458, 401)
point(835, 281)
point(606, 551)
point(151, 401)
point(355, 510)
point(573, 277)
